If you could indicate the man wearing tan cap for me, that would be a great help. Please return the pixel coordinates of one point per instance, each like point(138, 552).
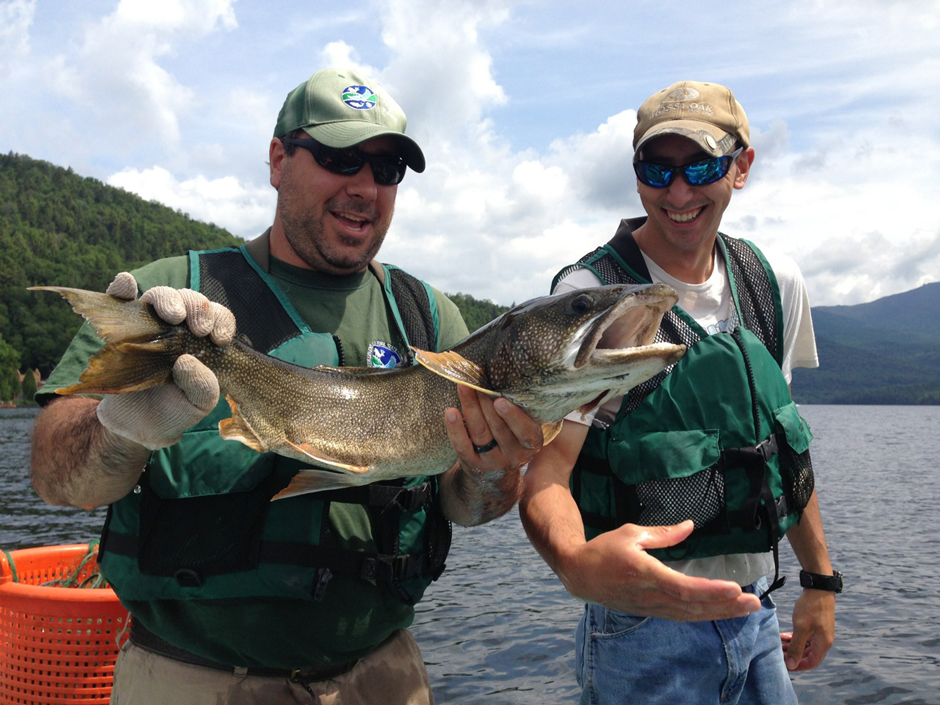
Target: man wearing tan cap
point(664, 510)
point(234, 598)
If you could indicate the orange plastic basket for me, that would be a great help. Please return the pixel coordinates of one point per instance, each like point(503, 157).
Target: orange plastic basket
point(57, 644)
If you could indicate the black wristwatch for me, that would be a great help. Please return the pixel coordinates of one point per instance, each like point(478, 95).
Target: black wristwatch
point(833, 582)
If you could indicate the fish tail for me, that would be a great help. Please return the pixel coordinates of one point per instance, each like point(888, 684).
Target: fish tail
point(138, 351)
point(115, 320)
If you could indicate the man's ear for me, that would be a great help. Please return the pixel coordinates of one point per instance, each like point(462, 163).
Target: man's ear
point(743, 165)
point(277, 159)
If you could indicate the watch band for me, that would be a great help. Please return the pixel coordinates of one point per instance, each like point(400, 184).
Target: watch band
point(832, 583)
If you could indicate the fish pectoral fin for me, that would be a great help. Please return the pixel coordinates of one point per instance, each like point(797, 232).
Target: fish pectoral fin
point(307, 481)
point(318, 457)
point(550, 430)
point(238, 429)
point(456, 368)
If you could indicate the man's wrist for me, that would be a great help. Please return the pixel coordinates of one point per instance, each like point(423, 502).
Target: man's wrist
point(816, 581)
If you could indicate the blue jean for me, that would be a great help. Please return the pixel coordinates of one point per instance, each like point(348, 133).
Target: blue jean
point(622, 659)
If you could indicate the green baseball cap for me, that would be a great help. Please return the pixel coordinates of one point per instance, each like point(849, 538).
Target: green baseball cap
point(342, 108)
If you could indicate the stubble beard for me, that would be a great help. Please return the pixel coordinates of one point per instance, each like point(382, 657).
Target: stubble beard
point(305, 232)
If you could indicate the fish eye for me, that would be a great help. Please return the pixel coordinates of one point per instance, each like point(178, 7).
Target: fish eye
point(582, 303)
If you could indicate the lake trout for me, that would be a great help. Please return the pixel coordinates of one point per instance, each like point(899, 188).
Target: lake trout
point(361, 425)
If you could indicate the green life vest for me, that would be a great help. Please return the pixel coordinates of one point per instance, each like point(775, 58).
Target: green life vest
point(716, 438)
point(200, 525)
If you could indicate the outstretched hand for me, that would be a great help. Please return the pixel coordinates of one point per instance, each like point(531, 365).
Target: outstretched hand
point(156, 417)
point(615, 570)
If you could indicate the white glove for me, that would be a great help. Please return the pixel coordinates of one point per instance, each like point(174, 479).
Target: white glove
point(156, 417)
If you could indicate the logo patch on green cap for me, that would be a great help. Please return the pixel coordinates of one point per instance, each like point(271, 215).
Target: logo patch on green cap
point(359, 97)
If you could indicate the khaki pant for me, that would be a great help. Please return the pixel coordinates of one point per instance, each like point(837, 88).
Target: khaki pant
point(393, 674)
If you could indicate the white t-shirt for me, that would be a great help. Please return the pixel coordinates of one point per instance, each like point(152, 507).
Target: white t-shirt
point(711, 305)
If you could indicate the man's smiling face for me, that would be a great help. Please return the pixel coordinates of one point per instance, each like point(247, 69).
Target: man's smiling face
point(683, 216)
point(334, 223)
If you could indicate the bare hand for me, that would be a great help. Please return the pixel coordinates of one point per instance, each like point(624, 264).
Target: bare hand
point(615, 570)
point(814, 627)
point(493, 440)
point(484, 420)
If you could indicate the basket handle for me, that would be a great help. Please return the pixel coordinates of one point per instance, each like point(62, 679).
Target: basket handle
point(7, 568)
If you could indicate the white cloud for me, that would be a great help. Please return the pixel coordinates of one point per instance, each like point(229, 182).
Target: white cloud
point(119, 58)
point(197, 17)
point(16, 16)
point(224, 202)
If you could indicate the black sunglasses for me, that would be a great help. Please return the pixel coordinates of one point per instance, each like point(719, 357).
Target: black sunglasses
point(698, 173)
point(387, 170)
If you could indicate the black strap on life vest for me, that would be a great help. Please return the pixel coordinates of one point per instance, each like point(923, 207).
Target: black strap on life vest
point(192, 569)
point(624, 244)
point(765, 508)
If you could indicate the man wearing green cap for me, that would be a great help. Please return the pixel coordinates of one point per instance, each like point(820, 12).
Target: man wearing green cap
point(664, 510)
point(235, 598)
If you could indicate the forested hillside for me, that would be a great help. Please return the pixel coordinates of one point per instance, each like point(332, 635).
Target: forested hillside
point(881, 352)
point(57, 227)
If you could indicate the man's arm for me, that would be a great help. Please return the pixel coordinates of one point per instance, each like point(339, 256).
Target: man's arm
point(76, 461)
point(484, 486)
point(614, 569)
point(814, 614)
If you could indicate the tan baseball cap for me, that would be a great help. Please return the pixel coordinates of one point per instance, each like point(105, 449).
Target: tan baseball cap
point(706, 113)
point(342, 108)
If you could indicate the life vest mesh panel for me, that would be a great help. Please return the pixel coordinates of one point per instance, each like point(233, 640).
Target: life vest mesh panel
point(411, 298)
point(755, 293)
point(798, 478)
point(699, 497)
point(227, 278)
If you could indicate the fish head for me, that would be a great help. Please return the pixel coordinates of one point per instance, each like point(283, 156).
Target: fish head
point(577, 349)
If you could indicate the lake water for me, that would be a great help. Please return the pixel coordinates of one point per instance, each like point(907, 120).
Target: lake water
point(498, 627)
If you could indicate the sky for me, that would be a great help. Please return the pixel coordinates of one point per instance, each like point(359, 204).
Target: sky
point(525, 111)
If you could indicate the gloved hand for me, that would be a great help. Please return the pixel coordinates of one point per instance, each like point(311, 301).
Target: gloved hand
point(156, 417)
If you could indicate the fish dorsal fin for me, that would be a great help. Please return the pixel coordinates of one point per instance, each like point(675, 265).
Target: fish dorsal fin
point(238, 429)
point(307, 481)
point(550, 430)
point(318, 457)
point(456, 368)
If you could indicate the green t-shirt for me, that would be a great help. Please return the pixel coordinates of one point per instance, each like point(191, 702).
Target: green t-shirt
point(354, 616)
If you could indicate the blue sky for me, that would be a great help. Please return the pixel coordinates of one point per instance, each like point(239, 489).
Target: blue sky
point(525, 111)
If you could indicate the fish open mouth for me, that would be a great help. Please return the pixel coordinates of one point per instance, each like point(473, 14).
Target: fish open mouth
point(630, 324)
point(625, 334)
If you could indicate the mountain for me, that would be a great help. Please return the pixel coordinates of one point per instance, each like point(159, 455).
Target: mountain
point(882, 352)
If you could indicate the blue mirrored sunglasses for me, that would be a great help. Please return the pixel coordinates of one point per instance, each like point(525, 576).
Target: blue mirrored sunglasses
point(387, 169)
point(698, 173)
